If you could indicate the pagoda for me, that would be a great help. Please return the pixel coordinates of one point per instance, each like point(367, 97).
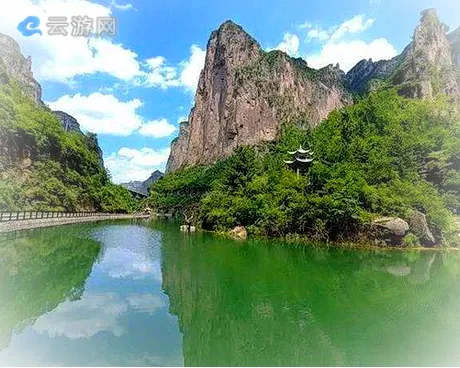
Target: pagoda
point(300, 159)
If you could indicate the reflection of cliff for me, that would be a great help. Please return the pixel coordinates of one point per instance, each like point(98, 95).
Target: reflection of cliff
point(39, 271)
point(257, 305)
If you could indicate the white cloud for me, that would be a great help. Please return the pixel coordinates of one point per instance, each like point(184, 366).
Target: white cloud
point(95, 313)
point(348, 54)
point(101, 113)
point(191, 68)
point(146, 303)
point(186, 74)
point(290, 44)
point(182, 118)
point(159, 74)
point(337, 47)
point(84, 318)
point(122, 7)
point(61, 58)
point(354, 25)
point(317, 34)
point(106, 114)
point(157, 128)
point(129, 164)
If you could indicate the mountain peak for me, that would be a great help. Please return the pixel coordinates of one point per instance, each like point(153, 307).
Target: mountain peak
point(18, 67)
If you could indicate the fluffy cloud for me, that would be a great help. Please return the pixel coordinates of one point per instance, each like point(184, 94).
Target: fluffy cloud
point(348, 54)
point(122, 7)
point(186, 74)
point(290, 44)
point(84, 318)
point(157, 128)
point(130, 164)
point(338, 48)
point(94, 313)
point(191, 68)
point(317, 34)
point(106, 114)
point(100, 113)
point(61, 58)
point(145, 303)
point(182, 118)
point(354, 25)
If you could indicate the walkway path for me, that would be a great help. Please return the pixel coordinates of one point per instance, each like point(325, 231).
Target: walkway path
point(36, 223)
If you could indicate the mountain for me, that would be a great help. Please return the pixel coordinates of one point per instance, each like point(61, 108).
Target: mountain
point(13, 65)
point(46, 161)
point(244, 93)
point(427, 67)
point(143, 187)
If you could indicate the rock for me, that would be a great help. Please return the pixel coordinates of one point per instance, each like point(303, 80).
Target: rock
point(390, 229)
point(454, 39)
point(18, 68)
point(68, 122)
point(192, 229)
point(419, 226)
point(245, 93)
point(426, 67)
point(184, 228)
point(239, 233)
point(143, 187)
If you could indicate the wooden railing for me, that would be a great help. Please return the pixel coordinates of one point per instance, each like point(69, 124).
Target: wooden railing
point(38, 215)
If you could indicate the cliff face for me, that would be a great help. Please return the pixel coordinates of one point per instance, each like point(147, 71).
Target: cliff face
point(143, 187)
point(15, 66)
point(427, 67)
point(454, 40)
point(68, 122)
point(244, 94)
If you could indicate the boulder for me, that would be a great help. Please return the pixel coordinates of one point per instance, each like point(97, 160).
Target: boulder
point(391, 230)
point(419, 226)
point(239, 233)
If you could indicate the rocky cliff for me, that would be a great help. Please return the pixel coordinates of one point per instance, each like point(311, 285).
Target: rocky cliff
point(143, 187)
point(13, 65)
point(427, 67)
point(245, 93)
point(68, 122)
point(454, 40)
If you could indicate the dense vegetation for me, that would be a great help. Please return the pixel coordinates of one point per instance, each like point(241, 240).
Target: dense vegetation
point(42, 167)
point(384, 156)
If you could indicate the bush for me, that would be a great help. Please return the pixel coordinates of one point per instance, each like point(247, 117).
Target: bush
point(384, 156)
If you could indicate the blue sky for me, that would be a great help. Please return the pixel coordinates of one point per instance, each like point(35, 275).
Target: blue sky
point(132, 89)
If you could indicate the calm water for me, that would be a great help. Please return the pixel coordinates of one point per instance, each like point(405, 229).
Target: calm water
point(133, 293)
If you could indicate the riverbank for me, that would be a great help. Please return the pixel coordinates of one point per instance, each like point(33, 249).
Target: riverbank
point(39, 223)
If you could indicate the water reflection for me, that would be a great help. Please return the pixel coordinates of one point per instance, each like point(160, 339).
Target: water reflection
point(269, 305)
point(111, 309)
point(39, 270)
point(130, 294)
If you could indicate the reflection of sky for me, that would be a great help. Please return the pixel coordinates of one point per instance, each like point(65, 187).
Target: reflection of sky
point(95, 313)
point(122, 317)
point(134, 254)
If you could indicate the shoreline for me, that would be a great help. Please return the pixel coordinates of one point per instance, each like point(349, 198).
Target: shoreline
point(9, 226)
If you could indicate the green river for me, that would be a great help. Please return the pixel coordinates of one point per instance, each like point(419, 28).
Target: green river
point(139, 293)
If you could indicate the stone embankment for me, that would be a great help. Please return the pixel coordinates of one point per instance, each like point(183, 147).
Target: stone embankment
point(8, 226)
